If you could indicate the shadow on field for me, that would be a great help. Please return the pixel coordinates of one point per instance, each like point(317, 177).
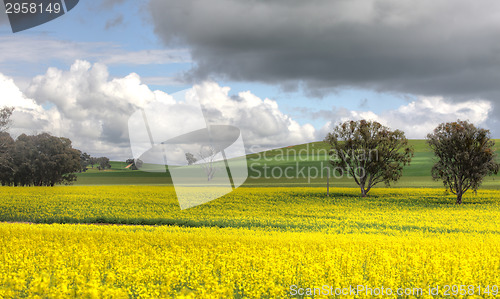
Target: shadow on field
point(415, 228)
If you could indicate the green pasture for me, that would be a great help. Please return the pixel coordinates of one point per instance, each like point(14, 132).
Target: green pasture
point(300, 165)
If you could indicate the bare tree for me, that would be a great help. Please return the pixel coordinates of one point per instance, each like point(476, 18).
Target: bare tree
point(207, 156)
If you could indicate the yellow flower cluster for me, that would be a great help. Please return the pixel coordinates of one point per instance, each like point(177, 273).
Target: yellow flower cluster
point(92, 261)
point(385, 211)
point(252, 243)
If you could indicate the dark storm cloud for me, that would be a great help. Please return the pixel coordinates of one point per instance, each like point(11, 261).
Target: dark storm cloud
point(433, 47)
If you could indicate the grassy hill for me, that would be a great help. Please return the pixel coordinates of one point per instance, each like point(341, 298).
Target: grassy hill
point(299, 162)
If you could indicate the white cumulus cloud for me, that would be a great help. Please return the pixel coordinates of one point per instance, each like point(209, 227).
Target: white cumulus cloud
point(417, 118)
point(91, 108)
point(87, 105)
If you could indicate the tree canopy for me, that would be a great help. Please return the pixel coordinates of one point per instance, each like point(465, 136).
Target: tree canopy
point(368, 152)
point(465, 155)
point(38, 160)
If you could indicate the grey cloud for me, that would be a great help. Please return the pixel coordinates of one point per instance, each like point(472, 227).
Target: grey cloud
point(38, 52)
point(429, 47)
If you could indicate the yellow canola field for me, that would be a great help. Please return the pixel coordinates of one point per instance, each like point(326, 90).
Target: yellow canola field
point(253, 243)
point(102, 261)
point(384, 211)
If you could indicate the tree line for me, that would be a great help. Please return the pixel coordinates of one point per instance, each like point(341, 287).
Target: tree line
point(86, 160)
point(464, 154)
point(40, 160)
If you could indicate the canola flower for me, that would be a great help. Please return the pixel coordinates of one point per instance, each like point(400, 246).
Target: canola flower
point(298, 209)
point(92, 261)
point(253, 243)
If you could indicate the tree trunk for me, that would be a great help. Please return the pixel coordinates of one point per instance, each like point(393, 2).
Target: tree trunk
point(459, 199)
point(363, 191)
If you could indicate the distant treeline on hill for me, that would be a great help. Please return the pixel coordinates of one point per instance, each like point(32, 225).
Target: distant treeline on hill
point(42, 160)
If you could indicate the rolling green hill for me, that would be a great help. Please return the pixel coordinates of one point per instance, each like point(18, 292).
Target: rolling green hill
point(298, 165)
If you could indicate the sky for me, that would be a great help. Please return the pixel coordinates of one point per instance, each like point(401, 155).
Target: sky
point(284, 71)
